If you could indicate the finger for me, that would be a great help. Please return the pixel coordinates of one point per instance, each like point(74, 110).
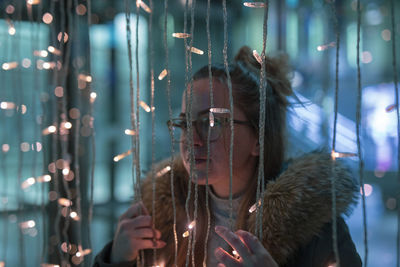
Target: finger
point(225, 258)
point(146, 233)
point(147, 244)
point(252, 242)
point(134, 211)
point(234, 241)
point(130, 225)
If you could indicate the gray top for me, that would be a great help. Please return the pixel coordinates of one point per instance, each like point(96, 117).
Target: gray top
point(220, 210)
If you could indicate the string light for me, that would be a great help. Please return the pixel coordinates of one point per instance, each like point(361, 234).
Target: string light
point(47, 18)
point(54, 50)
point(27, 224)
point(49, 130)
point(9, 65)
point(64, 202)
point(257, 56)
point(143, 6)
point(219, 110)
point(129, 132)
point(181, 35)
point(10, 9)
point(74, 216)
point(123, 155)
point(84, 77)
point(163, 171)
point(48, 265)
point(196, 51)
point(81, 9)
point(326, 46)
point(145, 106)
point(162, 74)
point(7, 105)
point(33, 2)
point(235, 254)
point(367, 189)
point(60, 34)
point(255, 206)
point(211, 118)
point(5, 148)
point(26, 63)
point(28, 182)
point(43, 179)
point(93, 96)
point(40, 53)
point(254, 4)
point(335, 155)
point(190, 227)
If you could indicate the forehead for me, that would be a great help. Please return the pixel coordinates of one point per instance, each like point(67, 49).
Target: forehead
point(201, 95)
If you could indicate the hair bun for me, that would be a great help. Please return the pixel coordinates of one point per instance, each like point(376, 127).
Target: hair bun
point(276, 67)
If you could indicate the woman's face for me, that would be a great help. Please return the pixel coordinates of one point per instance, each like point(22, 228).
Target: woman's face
point(245, 147)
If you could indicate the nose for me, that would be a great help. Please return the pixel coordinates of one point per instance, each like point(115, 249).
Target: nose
point(197, 140)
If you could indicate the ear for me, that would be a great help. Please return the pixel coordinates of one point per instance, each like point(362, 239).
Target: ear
point(255, 150)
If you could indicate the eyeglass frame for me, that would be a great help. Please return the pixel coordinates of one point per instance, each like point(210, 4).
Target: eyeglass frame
point(183, 126)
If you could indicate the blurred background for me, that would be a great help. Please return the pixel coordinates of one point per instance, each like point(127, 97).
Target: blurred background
point(65, 108)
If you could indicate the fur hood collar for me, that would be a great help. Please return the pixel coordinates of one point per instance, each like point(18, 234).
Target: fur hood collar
point(296, 204)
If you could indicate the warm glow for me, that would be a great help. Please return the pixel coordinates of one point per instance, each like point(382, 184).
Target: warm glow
point(192, 224)
point(65, 171)
point(255, 206)
point(129, 132)
point(196, 51)
point(162, 74)
point(59, 36)
point(163, 171)
point(28, 182)
point(255, 4)
point(27, 224)
point(180, 35)
point(219, 110)
point(5, 148)
point(123, 155)
point(64, 202)
point(7, 105)
point(185, 234)
point(54, 50)
point(40, 53)
point(49, 265)
point(49, 130)
point(93, 96)
point(33, 2)
point(368, 190)
point(145, 106)
point(257, 56)
point(11, 30)
point(68, 125)
point(335, 155)
point(47, 18)
point(43, 178)
point(59, 91)
point(9, 65)
point(26, 63)
point(143, 6)
point(81, 10)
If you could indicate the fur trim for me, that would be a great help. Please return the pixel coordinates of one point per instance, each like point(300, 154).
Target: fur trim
point(297, 204)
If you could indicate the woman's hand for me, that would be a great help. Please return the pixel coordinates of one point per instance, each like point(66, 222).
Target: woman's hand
point(249, 249)
point(134, 232)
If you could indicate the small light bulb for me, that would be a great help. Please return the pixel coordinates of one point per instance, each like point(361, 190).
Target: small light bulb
point(162, 74)
point(181, 35)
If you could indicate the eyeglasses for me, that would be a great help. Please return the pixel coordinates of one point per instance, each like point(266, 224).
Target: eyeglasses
point(202, 125)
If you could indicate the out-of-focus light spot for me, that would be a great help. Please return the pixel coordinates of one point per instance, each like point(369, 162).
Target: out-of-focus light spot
point(54, 50)
point(196, 51)
point(5, 148)
point(65, 171)
point(254, 4)
point(24, 147)
point(368, 189)
point(47, 18)
point(39, 146)
point(386, 35)
point(11, 30)
point(366, 57)
point(40, 53)
point(23, 109)
point(121, 156)
point(52, 195)
point(64, 202)
point(163, 171)
point(379, 173)
point(80, 9)
point(84, 77)
point(255, 206)
point(192, 225)
point(60, 164)
point(65, 248)
point(129, 132)
point(49, 130)
point(93, 96)
point(9, 65)
point(10, 9)
point(59, 91)
point(33, 2)
point(326, 46)
point(68, 125)
point(374, 16)
point(7, 105)
point(52, 167)
point(143, 6)
point(181, 35)
point(70, 176)
point(162, 74)
point(27, 224)
point(49, 265)
point(74, 113)
point(257, 57)
point(185, 234)
point(59, 36)
point(28, 182)
point(145, 106)
point(2, 263)
point(26, 63)
point(43, 179)
point(391, 203)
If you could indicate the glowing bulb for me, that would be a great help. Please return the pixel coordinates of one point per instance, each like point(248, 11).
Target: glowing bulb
point(255, 206)
point(40, 53)
point(162, 74)
point(181, 35)
point(28, 182)
point(185, 234)
point(5, 148)
point(49, 130)
point(27, 224)
point(33, 2)
point(49, 265)
point(9, 65)
point(7, 105)
point(59, 36)
point(163, 171)
point(257, 56)
point(123, 155)
point(43, 178)
point(254, 4)
point(192, 224)
point(335, 155)
point(64, 202)
point(65, 171)
point(129, 132)
point(211, 118)
point(143, 6)
point(11, 30)
point(219, 110)
point(54, 50)
point(145, 106)
point(367, 189)
point(93, 96)
point(73, 214)
point(196, 51)
point(68, 125)
point(47, 18)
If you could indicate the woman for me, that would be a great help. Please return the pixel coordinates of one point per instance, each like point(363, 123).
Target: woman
point(296, 221)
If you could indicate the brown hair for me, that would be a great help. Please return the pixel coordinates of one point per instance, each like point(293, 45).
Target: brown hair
point(245, 78)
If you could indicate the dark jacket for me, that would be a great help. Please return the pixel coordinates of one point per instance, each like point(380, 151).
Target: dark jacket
point(297, 214)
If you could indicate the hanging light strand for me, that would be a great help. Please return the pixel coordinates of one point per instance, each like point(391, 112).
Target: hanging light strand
point(333, 181)
point(263, 97)
point(210, 84)
point(229, 81)
point(358, 129)
point(395, 81)
point(170, 132)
